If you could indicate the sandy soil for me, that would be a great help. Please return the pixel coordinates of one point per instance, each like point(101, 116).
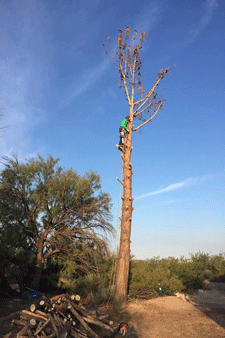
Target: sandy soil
point(201, 317)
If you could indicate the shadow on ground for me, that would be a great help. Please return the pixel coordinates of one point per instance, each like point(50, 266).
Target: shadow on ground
point(212, 302)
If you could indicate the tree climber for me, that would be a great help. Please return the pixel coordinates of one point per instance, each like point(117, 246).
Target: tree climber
point(123, 132)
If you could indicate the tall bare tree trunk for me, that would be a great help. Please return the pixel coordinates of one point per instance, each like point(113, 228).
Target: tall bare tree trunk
point(123, 262)
point(143, 106)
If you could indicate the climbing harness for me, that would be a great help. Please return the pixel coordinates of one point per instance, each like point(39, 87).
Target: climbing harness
point(122, 135)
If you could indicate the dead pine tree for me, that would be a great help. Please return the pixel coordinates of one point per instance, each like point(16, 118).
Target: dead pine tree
point(143, 108)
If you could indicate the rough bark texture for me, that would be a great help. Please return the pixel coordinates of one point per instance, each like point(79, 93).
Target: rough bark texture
point(143, 106)
point(39, 266)
point(124, 251)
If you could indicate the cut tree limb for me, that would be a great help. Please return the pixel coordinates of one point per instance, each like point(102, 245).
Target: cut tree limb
point(83, 323)
point(98, 323)
point(42, 327)
point(65, 331)
point(33, 315)
point(53, 325)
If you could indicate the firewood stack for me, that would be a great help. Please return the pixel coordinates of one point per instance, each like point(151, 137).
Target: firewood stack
point(61, 316)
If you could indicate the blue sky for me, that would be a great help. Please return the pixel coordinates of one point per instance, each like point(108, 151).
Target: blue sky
point(60, 97)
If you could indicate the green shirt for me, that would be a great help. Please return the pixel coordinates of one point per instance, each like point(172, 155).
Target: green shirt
point(124, 124)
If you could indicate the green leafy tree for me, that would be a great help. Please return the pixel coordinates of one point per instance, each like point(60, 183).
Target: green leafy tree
point(143, 107)
point(17, 256)
point(57, 210)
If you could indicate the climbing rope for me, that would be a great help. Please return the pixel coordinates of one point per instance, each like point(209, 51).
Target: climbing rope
point(116, 249)
point(118, 212)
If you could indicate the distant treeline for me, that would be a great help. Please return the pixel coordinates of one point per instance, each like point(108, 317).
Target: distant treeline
point(170, 275)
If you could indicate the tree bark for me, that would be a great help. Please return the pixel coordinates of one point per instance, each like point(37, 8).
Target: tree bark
point(121, 289)
point(39, 266)
point(140, 103)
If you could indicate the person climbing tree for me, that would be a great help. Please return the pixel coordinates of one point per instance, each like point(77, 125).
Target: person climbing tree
point(143, 106)
point(123, 131)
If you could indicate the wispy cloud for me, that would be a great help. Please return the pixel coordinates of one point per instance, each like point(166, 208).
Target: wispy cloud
point(176, 186)
point(210, 6)
point(88, 79)
point(147, 18)
point(171, 187)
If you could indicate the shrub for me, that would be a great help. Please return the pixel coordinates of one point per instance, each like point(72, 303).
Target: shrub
point(154, 274)
point(170, 275)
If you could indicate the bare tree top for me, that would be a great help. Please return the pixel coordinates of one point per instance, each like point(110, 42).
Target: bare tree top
point(144, 104)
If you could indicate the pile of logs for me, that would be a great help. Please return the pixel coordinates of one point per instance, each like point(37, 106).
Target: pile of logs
point(61, 316)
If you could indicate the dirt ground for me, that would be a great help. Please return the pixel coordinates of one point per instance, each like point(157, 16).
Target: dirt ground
point(203, 316)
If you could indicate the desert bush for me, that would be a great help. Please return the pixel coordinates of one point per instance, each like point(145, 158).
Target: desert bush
point(218, 265)
point(155, 274)
point(170, 275)
point(92, 283)
point(202, 266)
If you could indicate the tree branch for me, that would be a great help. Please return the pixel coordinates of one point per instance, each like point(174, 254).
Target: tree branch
point(51, 253)
point(147, 97)
point(160, 105)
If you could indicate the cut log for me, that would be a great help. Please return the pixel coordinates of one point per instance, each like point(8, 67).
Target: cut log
point(60, 317)
point(79, 309)
point(41, 313)
point(48, 330)
point(18, 322)
point(77, 334)
point(80, 332)
point(103, 317)
point(75, 298)
point(55, 298)
point(53, 325)
point(65, 331)
point(83, 323)
point(38, 330)
point(33, 322)
point(44, 304)
point(33, 315)
point(23, 331)
point(57, 320)
point(41, 326)
point(44, 335)
point(52, 335)
point(98, 323)
point(59, 307)
point(38, 306)
point(29, 332)
point(106, 321)
point(92, 313)
point(33, 307)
